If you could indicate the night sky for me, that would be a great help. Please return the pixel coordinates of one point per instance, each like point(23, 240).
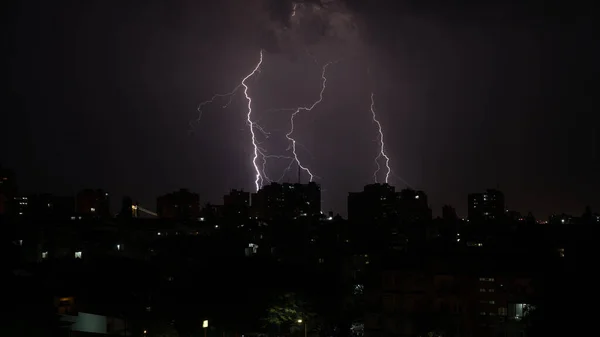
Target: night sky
point(483, 94)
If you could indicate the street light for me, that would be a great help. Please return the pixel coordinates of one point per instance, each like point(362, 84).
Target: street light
point(205, 326)
point(300, 322)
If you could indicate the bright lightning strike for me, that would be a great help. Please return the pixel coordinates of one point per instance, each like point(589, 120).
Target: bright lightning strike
point(382, 145)
point(251, 125)
point(289, 134)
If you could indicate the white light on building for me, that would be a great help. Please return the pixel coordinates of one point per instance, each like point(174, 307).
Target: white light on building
point(78, 255)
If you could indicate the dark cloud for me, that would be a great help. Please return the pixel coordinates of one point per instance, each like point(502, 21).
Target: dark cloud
point(280, 11)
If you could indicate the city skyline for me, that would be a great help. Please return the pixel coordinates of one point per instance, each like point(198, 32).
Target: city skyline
point(102, 95)
point(491, 202)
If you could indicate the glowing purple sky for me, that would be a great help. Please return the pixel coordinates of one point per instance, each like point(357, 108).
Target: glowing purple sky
point(470, 97)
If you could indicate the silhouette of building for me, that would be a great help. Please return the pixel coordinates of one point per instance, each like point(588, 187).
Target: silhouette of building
point(182, 205)
point(20, 205)
point(562, 219)
point(95, 203)
point(413, 206)
point(236, 204)
point(47, 206)
point(128, 209)
point(381, 202)
point(287, 201)
point(486, 206)
point(449, 298)
point(8, 190)
point(449, 213)
point(375, 202)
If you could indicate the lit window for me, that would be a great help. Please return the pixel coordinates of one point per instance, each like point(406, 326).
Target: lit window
point(482, 290)
point(491, 290)
point(78, 255)
point(44, 255)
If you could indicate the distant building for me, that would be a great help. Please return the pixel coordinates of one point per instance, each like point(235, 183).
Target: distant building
point(128, 209)
point(486, 206)
point(378, 202)
point(562, 219)
point(46, 206)
point(20, 205)
point(287, 201)
point(236, 204)
point(375, 202)
point(449, 213)
point(182, 205)
point(8, 190)
point(413, 206)
point(94, 203)
point(416, 301)
point(211, 212)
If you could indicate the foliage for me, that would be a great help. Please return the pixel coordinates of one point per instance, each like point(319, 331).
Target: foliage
point(286, 309)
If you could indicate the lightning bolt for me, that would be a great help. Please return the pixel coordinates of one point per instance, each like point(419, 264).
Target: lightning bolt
point(251, 125)
point(382, 145)
point(264, 166)
point(201, 106)
point(289, 134)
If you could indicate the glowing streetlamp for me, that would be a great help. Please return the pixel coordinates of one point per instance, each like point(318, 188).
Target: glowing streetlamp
point(205, 326)
point(300, 322)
